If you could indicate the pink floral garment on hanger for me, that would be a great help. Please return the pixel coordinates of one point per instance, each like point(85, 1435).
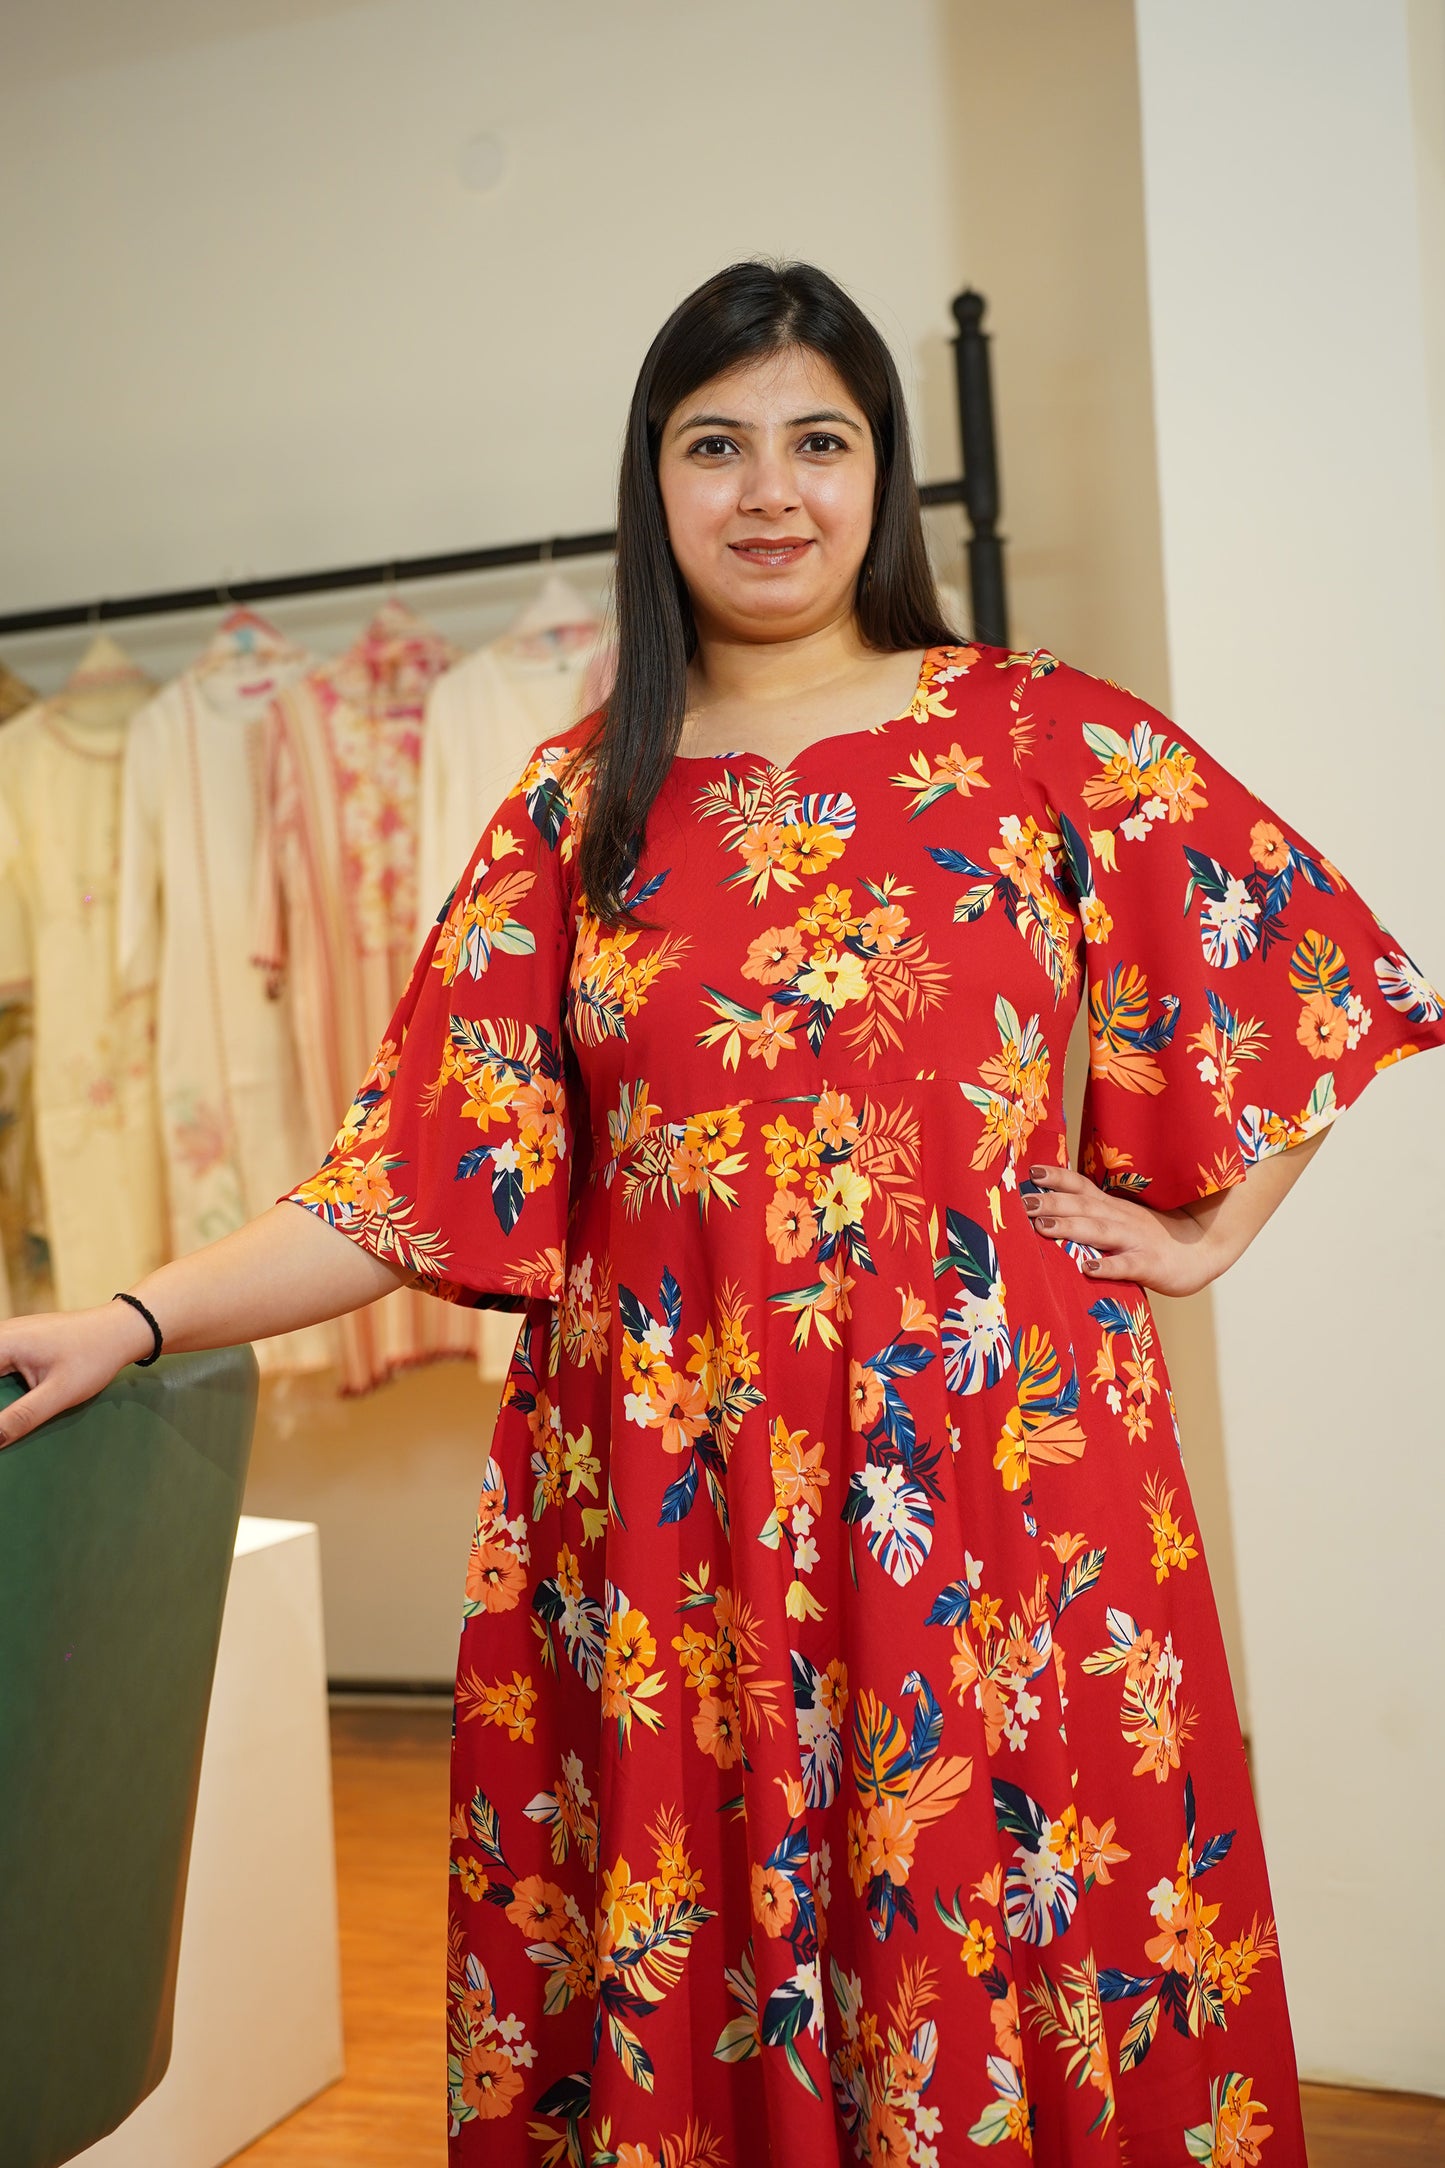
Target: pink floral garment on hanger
point(335, 924)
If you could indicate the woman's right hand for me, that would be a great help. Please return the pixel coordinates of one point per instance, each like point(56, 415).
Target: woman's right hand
point(285, 1269)
point(65, 1356)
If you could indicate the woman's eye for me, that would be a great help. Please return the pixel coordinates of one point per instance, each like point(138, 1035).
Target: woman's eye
point(825, 439)
point(712, 444)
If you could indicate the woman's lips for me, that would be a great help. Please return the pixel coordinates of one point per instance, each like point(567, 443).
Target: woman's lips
point(785, 552)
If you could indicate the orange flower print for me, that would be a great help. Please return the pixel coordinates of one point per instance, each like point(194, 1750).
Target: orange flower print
point(1267, 847)
point(774, 1904)
point(888, 2140)
point(769, 1036)
point(892, 1835)
point(677, 1408)
point(490, 2081)
point(865, 1395)
point(495, 1577)
point(1098, 1851)
point(1235, 2132)
point(774, 956)
point(791, 1225)
point(538, 1909)
point(1322, 1029)
point(717, 1728)
point(1008, 2039)
point(1177, 1948)
point(799, 1477)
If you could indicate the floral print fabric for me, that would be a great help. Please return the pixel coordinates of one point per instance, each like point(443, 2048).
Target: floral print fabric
point(845, 1763)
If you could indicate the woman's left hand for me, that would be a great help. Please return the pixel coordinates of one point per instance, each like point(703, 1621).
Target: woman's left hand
point(1169, 1252)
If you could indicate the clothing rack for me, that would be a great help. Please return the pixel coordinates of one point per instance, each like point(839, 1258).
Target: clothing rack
point(977, 491)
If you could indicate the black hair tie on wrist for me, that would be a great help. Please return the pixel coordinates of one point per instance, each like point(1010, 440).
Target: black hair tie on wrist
point(143, 1362)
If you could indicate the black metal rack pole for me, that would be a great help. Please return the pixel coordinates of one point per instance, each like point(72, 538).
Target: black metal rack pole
point(281, 586)
point(987, 590)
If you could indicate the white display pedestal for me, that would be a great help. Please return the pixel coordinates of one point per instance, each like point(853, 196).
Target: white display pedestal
point(258, 1996)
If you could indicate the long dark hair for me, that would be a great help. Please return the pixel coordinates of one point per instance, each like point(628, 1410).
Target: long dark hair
point(744, 313)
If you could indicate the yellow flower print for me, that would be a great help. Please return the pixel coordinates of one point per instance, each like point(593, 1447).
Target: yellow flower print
point(1096, 920)
point(1174, 1548)
point(472, 1876)
point(979, 1945)
point(841, 1195)
point(834, 978)
point(1041, 1425)
point(622, 1904)
point(715, 1133)
point(628, 1683)
point(489, 1095)
point(508, 1703)
point(829, 917)
point(799, 1477)
point(790, 1151)
point(810, 847)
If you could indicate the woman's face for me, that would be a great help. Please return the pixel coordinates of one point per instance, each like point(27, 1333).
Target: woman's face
point(767, 477)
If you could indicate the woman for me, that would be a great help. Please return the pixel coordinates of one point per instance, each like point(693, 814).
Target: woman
point(845, 1763)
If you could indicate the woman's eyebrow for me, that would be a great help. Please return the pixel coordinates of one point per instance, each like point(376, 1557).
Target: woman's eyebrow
point(727, 421)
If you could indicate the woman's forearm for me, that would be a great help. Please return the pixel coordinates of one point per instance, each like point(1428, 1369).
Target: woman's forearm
point(1230, 1220)
point(280, 1271)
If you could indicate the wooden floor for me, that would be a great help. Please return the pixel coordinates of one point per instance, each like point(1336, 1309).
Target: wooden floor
point(390, 1768)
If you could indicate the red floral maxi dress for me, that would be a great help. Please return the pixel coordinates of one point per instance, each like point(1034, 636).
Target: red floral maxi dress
point(845, 1762)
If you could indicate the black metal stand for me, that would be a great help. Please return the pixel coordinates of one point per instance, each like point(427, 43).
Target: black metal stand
point(980, 471)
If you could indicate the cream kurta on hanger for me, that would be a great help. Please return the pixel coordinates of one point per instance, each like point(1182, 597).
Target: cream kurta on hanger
point(482, 720)
point(227, 1076)
point(97, 1133)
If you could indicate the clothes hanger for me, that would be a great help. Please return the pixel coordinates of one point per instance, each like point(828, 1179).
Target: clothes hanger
point(557, 607)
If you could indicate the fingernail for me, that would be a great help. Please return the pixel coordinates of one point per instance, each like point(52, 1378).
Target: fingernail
point(1091, 1264)
point(1038, 1173)
point(1033, 1204)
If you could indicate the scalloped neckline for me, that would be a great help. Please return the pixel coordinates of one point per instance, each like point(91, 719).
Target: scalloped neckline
point(813, 745)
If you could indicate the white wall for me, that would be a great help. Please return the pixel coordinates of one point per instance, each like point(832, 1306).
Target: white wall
point(1052, 188)
point(255, 321)
point(1284, 170)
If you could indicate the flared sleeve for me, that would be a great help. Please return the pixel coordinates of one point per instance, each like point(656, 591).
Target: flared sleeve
point(1240, 992)
point(453, 1160)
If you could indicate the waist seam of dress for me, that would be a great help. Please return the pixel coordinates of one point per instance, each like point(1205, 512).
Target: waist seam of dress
point(610, 1156)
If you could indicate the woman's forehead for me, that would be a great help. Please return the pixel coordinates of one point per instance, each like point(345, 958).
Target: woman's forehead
point(767, 390)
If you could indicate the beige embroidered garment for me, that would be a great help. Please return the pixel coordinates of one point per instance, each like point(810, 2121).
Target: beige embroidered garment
point(482, 720)
point(226, 1069)
point(335, 913)
point(96, 1128)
